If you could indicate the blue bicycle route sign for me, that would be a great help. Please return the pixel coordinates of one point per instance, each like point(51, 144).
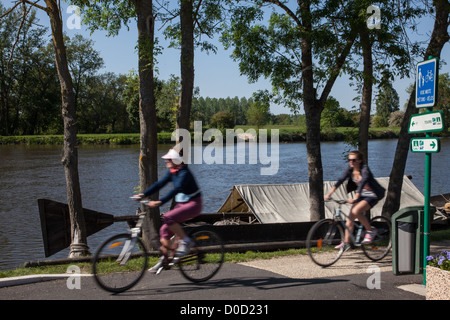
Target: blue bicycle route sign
point(426, 83)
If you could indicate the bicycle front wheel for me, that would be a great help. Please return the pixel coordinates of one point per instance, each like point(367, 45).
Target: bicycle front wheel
point(206, 256)
point(119, 263)
point(382, 244)
point(321, 241)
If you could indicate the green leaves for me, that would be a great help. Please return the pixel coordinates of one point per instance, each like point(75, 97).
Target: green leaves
point(107, 15)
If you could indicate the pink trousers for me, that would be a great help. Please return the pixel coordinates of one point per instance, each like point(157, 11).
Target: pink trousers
point(181, 213)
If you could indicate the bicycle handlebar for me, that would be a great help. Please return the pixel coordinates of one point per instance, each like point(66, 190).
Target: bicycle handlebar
point(337, 201)
point(137, 198)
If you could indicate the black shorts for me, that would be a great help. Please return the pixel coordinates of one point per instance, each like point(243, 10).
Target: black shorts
point(372, 201)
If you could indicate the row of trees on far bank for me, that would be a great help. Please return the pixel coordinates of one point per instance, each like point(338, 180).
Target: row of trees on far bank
point(109, 103)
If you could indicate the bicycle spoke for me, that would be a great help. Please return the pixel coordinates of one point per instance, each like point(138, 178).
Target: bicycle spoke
point(322, 240)
point(119, 263)
point(205, 259)
point(381, 245)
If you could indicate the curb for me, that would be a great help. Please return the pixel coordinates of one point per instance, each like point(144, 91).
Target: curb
point(414, 288)
point(17, 281)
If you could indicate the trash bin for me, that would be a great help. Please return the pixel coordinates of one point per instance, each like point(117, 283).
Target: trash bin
point(407, 239)
point(406, 246)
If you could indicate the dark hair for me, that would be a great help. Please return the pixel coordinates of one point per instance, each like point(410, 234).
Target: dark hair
point(358, 155)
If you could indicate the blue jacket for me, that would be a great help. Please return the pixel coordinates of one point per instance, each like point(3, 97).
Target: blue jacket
point(366, 178)
point(183, 182)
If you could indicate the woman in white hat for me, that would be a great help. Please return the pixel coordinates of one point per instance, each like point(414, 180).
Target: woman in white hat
point(188, 205)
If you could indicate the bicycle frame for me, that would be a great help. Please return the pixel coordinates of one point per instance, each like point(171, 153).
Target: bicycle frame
point(118, 250)
point(338, 216)
point(129, 244)
point(326, 233)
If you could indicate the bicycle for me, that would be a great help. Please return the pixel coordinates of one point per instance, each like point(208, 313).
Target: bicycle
point(125, 253)
point(326, 234)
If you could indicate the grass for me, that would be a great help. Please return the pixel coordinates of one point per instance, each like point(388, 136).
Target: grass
point(286, 134)
point(84, 139)
point(440, 235)
point(85, 267)
point(230, 257)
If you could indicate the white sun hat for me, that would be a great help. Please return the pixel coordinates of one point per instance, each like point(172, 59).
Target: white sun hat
point(173, 155)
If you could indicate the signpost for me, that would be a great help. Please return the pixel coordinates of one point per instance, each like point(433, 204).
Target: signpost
point(428, 122)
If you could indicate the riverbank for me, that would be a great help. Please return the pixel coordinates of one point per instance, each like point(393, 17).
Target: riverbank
point(286, 134)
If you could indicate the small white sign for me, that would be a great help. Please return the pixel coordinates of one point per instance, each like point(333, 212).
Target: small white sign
point(425, 145)
point(426, 122)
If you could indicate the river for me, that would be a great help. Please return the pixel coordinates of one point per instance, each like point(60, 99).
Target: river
point(109, 176)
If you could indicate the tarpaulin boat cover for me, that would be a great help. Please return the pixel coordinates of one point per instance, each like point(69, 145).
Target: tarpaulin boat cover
point(275, 203)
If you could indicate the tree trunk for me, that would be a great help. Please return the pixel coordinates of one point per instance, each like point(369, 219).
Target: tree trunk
point(437, 41)
point(314, 107)
point(313, 112)
point(187, 64)
point(148, 162)
point(78, 245)
point(366, 94)
point(314, 156)
point(187, 69)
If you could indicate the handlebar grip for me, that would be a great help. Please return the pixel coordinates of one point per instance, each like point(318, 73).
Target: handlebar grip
point(337, 201)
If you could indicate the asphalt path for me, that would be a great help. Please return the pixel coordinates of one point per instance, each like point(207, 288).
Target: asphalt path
point(233, 282)
point(272, 287)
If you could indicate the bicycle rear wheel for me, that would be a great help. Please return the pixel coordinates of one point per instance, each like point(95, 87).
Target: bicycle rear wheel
point(206, 256)
point(381, 245)
point(321, 241)
point(119, 263)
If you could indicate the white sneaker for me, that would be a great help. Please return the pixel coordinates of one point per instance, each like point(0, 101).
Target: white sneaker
point(184, 247)
point(161, 264)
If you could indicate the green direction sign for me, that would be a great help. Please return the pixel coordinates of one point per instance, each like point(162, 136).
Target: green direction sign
point(426, 122)
point(425, 145)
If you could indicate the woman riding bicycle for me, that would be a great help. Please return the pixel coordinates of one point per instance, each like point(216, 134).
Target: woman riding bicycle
point(368, 193)
point(188, 205)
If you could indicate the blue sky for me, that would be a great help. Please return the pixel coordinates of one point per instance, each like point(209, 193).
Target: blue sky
point(217, 75)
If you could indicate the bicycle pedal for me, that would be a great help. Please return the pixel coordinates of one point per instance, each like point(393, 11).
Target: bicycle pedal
point(159, 270)
point(174, 261)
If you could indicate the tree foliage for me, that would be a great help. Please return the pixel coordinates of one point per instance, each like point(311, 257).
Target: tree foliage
point(386, 102)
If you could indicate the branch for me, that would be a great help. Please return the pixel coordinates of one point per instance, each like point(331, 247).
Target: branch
point(287, 10)
point(34, 4)
point(336, 69)
point(9, 11)
point(24, 17)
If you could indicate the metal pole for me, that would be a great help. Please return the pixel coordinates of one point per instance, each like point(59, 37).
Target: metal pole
point(426, 206)
point(426, 211)
point(426, 225)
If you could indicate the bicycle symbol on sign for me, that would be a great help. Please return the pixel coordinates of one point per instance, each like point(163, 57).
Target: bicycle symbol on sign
point(425, 79)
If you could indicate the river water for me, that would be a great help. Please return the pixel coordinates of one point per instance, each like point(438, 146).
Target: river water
point(109, 176)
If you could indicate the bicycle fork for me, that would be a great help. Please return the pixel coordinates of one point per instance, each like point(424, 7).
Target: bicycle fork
point(128, 247)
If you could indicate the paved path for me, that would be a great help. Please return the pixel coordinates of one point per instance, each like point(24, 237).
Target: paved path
point(290, 278)
point(234, 281)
